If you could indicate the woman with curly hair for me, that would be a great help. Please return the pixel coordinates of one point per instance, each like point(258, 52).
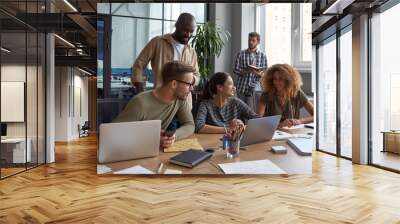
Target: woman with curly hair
point(282, 95)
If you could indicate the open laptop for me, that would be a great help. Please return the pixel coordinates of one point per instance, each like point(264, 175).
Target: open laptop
point(128, 140)
point(260, 130)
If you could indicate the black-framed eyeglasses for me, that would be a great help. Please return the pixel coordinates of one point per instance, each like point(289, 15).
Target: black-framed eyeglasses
point(187, 83)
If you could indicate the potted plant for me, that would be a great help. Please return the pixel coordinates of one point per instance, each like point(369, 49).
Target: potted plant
point(208, 42)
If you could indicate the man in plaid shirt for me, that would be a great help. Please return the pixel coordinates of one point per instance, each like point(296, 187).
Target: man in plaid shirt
point(248, 82)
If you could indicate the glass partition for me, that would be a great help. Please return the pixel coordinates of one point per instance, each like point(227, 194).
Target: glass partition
point(327, 96)
point(14, 153)
point(22, 77)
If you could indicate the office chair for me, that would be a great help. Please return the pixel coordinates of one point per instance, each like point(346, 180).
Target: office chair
point(84, 130)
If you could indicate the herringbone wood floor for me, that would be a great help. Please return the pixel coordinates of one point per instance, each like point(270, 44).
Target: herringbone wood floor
point(69, 191)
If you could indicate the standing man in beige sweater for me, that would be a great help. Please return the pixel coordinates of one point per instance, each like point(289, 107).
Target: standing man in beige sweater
point(166, 48)
point(165, 102)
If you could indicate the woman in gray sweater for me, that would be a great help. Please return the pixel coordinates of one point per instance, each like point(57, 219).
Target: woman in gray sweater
point(220, 109)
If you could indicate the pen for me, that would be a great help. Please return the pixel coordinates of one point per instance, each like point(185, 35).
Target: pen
point(291, 110)
point(226, 131)
point(160, 168)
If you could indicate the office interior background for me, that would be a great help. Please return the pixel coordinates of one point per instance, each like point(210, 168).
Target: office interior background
point(54, 58)
point(52, 73)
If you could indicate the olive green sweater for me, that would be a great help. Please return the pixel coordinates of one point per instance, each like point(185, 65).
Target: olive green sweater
point(145, 106)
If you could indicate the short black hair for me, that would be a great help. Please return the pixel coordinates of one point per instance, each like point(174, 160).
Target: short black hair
point(185, 18)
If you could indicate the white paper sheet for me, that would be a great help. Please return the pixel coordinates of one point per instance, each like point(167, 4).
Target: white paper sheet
point(102, 169)
point(281, 135)
point(294, 127)
point(135, 170)
point(171, 171)
point(251, 167)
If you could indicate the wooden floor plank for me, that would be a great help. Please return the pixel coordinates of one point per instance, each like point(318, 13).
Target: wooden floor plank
point(70, 191)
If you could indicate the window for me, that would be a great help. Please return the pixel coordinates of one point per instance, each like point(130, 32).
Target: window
point(285, 30)
point(306, 33)
point(132, 26)
point(346, 93)
point(385, 83)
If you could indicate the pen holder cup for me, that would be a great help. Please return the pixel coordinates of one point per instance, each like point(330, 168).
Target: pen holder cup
point(232, 150)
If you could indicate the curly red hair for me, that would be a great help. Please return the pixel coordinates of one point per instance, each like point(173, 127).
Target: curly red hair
point(290, 76)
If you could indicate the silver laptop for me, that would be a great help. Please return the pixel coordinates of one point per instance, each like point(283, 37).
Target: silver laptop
point(128, 140)
point(260, 130)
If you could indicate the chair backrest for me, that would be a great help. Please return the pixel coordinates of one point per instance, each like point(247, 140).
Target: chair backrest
point(86, 125)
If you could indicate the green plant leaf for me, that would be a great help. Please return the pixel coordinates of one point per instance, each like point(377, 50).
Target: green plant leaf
point(208, 42)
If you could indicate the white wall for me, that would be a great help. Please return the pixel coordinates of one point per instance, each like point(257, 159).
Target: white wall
point(70, 84)
point(33, 126)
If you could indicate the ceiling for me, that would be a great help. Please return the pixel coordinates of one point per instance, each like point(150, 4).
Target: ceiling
point(76, 25)
point(76, 22)
point(330, 15)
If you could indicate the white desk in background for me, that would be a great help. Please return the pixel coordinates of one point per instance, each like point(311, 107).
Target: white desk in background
point(16, 147)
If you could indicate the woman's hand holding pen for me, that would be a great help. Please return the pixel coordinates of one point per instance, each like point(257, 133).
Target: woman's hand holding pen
point(289, 123)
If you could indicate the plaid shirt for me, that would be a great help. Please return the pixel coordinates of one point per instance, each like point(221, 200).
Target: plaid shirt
point(247, 82)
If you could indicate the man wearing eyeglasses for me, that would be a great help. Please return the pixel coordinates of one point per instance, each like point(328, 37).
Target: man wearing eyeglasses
point(166, 48)
point(165, 102)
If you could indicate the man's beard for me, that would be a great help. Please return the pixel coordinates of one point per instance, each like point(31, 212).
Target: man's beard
point(181, 96)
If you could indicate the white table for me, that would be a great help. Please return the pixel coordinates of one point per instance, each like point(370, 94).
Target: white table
point(17, 146)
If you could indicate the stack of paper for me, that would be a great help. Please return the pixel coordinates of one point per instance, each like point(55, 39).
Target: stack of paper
point(251, 167)
point(302, 146)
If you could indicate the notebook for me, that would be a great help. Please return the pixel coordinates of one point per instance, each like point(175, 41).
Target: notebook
point(254, 67)
point(190, 158)
point(302, 146)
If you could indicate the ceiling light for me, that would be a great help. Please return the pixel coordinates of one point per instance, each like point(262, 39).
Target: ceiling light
point(338, 6)
point(65, 41)
point(70, 5)
point(84, 71)
point(5, 50)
